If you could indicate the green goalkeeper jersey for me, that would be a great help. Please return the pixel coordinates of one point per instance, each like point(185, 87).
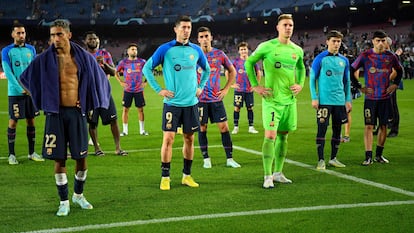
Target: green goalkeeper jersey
point(283, 67)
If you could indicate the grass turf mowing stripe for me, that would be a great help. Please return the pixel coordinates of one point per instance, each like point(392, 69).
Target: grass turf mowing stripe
point(220, 215)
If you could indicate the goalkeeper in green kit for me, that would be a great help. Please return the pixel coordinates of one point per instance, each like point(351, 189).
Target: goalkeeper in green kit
point(284, 74)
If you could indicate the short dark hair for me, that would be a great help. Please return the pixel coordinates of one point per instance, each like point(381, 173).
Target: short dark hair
point(334, 33)
point(63, 23)
point(182, 18)
point(132, 45)
point(17, 24)
point(89, 33)
point(379, 34)
point(203, 29)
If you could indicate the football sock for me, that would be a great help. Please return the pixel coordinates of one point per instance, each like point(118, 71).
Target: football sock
point(378, 151)
point(165, 169)
point(280, 151)
point(227, 144)
point(250, 116)
point(125, 128)
point(31, 138)
point(202, 140)
point(187, 166)
point(11, 136)
point(236, 117)
point(336, 140)
point(368, 154)
point(141, 126)
point(320, 140)
point(80, 178)
point(62, 186)
point(268, 150)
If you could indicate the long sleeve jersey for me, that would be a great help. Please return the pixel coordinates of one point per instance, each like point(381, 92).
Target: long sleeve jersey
point(329, 80)
point(15, 59)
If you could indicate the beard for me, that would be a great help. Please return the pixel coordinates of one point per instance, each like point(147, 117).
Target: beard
point(92, 47)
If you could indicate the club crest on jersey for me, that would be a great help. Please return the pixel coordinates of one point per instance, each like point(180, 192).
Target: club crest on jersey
point(341, 64)
point(199, 70)
point(329, 73)
point(294, 56)
point(372, 70)
point(29, 55)
point(278, 65)
point(191, 56)
point(177, 67)
point(241, 71)
point(129, 71)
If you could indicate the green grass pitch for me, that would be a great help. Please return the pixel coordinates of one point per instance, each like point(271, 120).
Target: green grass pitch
point(126, 196)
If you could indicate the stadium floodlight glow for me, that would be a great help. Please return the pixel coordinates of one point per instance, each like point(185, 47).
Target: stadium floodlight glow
point(353, 8)
point(406, 2)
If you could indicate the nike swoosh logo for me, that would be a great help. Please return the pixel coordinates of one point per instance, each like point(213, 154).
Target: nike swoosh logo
point(113, 116)
point(222, 118)
point(83, 152)
point(194, 128)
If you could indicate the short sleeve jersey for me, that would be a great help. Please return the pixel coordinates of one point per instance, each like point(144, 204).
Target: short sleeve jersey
point(132, 72)
point(282, 64)
point(216, 59)
point(179, 64)
point(241, 76)
point(105, 54)
point(377, 70)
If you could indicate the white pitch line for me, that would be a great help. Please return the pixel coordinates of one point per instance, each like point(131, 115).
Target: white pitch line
point(338, 174)
point(220, 215)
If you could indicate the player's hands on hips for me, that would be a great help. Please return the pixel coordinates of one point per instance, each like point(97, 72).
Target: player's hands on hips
point(392, 88)
point(263, 91)
point(235, 86)
point(222, 93)
point(296, 88)
point(166, 94)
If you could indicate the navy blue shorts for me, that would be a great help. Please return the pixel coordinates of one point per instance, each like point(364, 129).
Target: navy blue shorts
point(173, 117)
point(243, 97)
point(338, 114)
point(137, 97)
point(68, 128)
point(107, 115)
point(21, 107)
point(378, 109)
point(214, 111)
